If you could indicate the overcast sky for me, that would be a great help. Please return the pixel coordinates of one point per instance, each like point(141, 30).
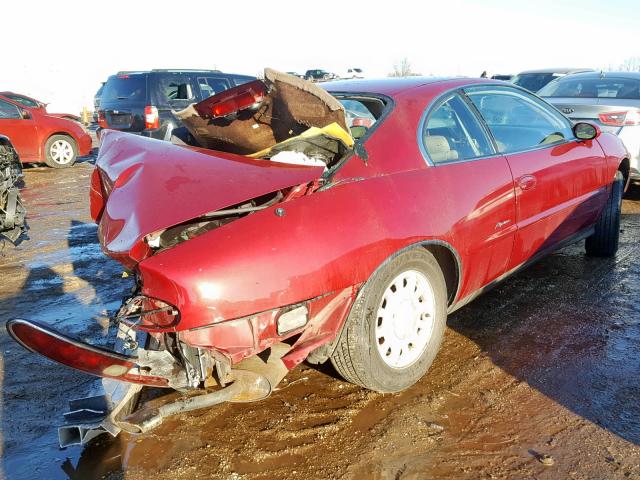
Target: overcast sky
point(60, 51)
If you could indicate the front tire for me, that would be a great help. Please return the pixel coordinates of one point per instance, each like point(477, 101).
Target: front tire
point(395, 328)
point(61, 151)
point(604, 241)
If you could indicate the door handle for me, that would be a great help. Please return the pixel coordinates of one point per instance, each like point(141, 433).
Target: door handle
point(527, 182)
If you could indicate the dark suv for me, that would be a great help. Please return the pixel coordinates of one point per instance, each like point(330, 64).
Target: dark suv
point(141, 102)
point(318, 75)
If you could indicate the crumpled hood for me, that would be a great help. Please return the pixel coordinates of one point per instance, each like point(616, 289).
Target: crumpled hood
point(152, 185)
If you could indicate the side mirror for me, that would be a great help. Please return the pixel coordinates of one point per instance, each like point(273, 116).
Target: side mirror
point(585, 131)
point(25, 114)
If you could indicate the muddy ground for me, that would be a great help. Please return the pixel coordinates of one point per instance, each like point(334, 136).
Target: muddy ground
point(547, 364)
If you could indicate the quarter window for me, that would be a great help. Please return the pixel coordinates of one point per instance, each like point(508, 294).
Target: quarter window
point(519, 121)
point(8, 110)
point(452, 132)
point(210, 85)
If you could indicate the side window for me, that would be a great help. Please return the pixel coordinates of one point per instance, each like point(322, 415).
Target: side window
point(23, 101)
point(240, 80)
point(8, 110)
point(175, 89)
point(519, 121)
point(212, 85)
point(452, 132)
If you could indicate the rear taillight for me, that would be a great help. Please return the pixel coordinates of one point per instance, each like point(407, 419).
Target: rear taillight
point(620, 119)
point(151, 118)
point(82, 356)
point(102, 121)
point(235, 99)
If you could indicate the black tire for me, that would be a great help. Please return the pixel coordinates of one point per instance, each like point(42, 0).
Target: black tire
point(56, 161)
point(356, 356)
point(604, 241)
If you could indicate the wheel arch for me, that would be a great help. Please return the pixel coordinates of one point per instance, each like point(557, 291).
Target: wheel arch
point(625, 168)
point(64, 133)
point(447, 257)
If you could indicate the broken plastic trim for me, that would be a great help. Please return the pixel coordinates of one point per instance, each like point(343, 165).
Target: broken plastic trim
point(91, 359)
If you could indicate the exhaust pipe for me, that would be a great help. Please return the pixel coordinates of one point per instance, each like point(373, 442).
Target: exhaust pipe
point(253, 379)
point(246, 385)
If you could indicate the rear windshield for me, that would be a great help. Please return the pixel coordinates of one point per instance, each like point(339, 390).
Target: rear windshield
point(125, 88)
point(534, 81)
point(626, 88)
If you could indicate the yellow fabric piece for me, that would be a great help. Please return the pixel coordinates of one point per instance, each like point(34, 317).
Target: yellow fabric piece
point(333, 130)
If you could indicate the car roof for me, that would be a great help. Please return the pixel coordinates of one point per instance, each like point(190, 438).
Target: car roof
point(386, 86)
point(564, 70)
point(7, 92)
point(629, 75)
point(176, 70)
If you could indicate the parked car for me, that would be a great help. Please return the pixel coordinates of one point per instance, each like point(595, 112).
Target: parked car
point(506, 78)
point(352, 72)
point(534, 80)
point(295, 74)
point(359, 249)
point(318, 75)
point(40, 137)
point(141, 102)
point(610, 100)
point(36, 104)
point(12, 211)
point(96, 102)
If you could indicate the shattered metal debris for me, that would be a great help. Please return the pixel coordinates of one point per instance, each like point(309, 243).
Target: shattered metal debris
point(12, 211)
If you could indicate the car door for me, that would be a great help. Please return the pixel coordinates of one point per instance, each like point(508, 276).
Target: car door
point(18, 124)
point(479, 189)
point(560, 181)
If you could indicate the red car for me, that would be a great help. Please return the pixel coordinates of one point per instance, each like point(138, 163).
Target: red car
point(246, 266)
point(40, 137)
point(30, 102)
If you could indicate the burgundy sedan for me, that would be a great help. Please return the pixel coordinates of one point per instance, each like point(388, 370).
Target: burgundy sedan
point(40, 137)
point(326, 246)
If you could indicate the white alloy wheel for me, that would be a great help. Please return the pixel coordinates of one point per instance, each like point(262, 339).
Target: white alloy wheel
point(405, 320)
point(61, 152)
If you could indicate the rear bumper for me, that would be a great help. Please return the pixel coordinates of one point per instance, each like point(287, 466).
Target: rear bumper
point(141, 367)
point(112, 407)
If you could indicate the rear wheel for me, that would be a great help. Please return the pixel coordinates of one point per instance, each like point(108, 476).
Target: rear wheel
point(61, 151)
point(604, 241)
point(395, 328)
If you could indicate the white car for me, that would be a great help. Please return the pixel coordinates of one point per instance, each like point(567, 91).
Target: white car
point(352, 72)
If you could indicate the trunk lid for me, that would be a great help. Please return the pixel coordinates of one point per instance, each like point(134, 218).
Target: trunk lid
point(589, 109)
point(149, 185)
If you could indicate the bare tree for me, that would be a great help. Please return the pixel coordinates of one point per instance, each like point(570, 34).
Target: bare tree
point(631, 64)
point(403, 69)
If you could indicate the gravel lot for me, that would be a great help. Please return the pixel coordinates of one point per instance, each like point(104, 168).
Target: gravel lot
point(538, 378)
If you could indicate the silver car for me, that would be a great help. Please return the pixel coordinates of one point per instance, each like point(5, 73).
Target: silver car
point(534, 80)
point(611, 100)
